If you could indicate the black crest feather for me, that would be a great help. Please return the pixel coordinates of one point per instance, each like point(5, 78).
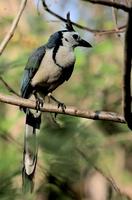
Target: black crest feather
point(69, 26)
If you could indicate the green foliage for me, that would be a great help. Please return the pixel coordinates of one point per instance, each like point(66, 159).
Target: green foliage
point(8, 170)
point(61, 146)
point(62, 149)
point(39, 27)
point(71, 150)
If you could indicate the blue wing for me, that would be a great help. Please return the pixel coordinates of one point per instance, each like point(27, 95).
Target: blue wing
point(30, 70)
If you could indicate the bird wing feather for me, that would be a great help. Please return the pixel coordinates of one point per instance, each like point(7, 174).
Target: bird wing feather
point(30, 70)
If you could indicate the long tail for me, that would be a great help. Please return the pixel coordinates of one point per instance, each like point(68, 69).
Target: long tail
point(33, 121)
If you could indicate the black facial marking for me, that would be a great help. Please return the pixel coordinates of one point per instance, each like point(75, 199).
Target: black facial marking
point(57, 47)
point(66, 39)
point(59, 43)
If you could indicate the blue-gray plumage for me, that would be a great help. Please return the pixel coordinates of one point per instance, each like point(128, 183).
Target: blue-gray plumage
point(30, 69)
point(48, 67)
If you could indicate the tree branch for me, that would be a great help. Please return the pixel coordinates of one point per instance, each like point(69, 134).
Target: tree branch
point(96, 31)
point(109, 178)
point(110, 4)
point(8, 86)
point(13, 27)
point(72, 111)
point(127, 72)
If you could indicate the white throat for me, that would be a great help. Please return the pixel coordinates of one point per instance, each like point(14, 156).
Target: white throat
point(65, 56)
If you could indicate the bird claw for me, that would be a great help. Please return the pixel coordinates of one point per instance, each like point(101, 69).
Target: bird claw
point(39, 101)
point(62, 105)
point(55, 115)
point(39, 104)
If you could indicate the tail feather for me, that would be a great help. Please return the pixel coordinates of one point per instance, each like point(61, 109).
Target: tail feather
point(33, 121)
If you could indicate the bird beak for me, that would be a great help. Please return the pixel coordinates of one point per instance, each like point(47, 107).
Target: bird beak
point(84, 43)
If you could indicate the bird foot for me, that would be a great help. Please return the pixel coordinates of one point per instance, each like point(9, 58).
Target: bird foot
point(60, 104)
point(39, 103)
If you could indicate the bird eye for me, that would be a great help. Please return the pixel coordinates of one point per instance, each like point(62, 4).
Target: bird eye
point(75, 36)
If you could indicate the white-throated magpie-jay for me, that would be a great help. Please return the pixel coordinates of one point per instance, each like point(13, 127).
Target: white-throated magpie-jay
point(48, 67)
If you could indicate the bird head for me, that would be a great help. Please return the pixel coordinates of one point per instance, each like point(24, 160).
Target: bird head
point(68, 38)
point(71, 38)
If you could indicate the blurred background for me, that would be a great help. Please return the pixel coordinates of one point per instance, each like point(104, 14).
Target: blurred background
point(79, 159)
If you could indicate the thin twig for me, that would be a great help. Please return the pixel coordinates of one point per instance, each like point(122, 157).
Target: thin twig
point(13, 27)
point(120, 29)
point(71, 111)
point(127, 72)
point(110, 4)
point(8, 86)
point(109, 178)
point(96, 31)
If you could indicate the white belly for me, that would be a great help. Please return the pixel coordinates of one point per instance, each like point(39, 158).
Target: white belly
point(65, 56)
point(48, 71)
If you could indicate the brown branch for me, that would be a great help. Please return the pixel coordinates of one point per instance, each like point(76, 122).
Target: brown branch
point(120, 29)
point(72, 111)
point(110, 4)
point(127, 72)
point(13, 27)
point(96, 31)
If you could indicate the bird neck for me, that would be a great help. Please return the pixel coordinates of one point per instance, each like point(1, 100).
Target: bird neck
point(64, 56)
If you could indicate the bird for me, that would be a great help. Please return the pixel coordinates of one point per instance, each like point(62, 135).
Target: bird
point(48, 67)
